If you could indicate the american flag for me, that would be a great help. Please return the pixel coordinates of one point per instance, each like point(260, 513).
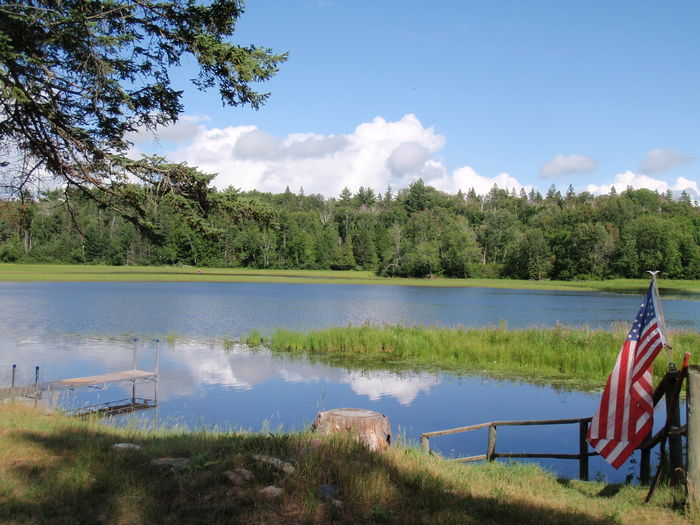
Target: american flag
point(625, 415)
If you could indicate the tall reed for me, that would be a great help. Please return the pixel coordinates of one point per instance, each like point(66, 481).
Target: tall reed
point(582, 355)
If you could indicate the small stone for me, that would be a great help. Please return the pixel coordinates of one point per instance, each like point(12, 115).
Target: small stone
point(337, 503)
point(277, 463)
point(174, 463)
point(125, 446)
point(239, 476)
point(328, 491)
point(271, 491)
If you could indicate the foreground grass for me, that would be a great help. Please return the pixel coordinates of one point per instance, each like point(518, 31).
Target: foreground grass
point(60, 470)
point(579, 358)
point(67, 272)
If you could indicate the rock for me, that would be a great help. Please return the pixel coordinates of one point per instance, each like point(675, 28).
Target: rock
point(271, 491)
point(337, 503)
point(125, 446)
point(277, 463)
point(174, 463)
point(239, 476)
point(328, 491)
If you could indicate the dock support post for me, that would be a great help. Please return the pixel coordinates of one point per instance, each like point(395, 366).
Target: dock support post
point(693, 408)
point(133, 381)
point(36, 386)
point(583, 451)
point(155, 386)
point(157, 356)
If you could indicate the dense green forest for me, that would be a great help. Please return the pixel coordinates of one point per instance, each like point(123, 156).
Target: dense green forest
point(419, 232)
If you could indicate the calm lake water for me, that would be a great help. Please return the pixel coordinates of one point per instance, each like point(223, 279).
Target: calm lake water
point(74, 329)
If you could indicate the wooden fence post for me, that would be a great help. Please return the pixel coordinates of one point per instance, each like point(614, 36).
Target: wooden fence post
point(693, 407)
point(645, 466)
point(491, 447)
point(675, 445)
point(583, 451)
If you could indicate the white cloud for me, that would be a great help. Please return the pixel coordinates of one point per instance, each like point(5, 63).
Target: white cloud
point(637, 180)
point(184, 130)
point(568, 165)
point(258, 145)
point(465, 178)
point(408, 157)
point(374, 155)
point(662, 160)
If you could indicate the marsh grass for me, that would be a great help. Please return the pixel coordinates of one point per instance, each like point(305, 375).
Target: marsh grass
point(60, 470)
point(583, 357)
point(101, 273)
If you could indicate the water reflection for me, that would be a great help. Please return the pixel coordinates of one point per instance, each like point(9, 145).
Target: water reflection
point(194, 366)
point(204, 385)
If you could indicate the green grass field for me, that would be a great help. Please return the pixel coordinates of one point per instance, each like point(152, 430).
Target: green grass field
point(54, 469)
point(59, 272)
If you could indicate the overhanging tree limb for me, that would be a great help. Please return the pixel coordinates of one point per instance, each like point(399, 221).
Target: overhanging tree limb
point(77, 76)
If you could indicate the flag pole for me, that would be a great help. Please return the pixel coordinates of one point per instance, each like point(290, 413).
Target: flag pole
point(662, 319)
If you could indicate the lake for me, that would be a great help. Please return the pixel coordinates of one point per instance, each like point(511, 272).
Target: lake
point(75, 329)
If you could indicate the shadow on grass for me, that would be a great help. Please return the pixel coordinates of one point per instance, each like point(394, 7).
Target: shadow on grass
point(77, 477)
point(608, 491)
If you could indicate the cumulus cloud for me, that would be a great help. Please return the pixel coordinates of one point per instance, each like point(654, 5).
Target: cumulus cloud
point(568, 165)
point(637, 180)
point(465, 178)
point(374, 155)
point(408, 157)
point(184, 130)
point(663, 160)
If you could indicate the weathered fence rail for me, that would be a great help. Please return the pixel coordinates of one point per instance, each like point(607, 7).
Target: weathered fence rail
point(491, 454)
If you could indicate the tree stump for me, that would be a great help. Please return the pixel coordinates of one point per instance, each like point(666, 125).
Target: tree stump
point(368, 427)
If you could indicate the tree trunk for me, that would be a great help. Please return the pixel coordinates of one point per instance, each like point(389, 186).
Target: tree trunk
point(368, 427)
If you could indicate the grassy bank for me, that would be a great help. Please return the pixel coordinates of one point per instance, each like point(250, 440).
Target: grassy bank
point(579, 357)
point(58, 272)
point(59, 470)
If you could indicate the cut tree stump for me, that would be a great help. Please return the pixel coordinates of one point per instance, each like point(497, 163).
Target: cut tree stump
point(370, 428)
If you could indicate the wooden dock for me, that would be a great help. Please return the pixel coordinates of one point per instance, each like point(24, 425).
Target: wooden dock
point(49, 391)
point(102, 379)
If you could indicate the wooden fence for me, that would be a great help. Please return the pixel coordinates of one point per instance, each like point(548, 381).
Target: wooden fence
point(491, 453)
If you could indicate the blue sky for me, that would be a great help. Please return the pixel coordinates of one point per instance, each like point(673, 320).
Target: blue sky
point(460, 93)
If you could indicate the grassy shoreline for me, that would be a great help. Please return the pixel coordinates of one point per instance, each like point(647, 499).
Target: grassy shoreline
point(579, 359)
point(75, 273)
point(60, 470)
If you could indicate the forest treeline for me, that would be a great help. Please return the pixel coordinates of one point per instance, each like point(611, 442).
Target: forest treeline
point(418, 232)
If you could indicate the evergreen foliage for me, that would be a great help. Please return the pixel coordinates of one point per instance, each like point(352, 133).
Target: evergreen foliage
point(78, 76)
point(419, 232)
